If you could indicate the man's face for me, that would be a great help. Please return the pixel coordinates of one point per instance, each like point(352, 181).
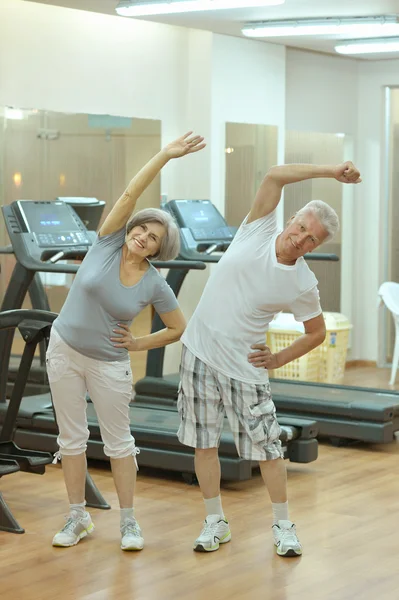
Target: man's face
point(303, 234)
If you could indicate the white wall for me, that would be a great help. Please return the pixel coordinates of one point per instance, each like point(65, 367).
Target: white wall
point(198, 105)
point(78, 61)
point(249, 88)
point(321, 92)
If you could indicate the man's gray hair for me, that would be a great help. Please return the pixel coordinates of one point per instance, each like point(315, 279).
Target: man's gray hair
point(326, 216)
point(170, 243)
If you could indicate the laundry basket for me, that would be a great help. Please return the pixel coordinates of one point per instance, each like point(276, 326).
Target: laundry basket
point(283, 331)
point(326, 363)
point(334, 349)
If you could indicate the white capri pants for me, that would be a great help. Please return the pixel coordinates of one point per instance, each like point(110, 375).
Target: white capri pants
point(71, 375)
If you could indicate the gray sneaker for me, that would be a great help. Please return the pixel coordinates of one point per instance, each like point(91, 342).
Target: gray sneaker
point(75, 528)
point(286, 540)
point(215, 531)
point(132, 538)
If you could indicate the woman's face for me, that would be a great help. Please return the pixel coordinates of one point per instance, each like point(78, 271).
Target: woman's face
point(145, 240)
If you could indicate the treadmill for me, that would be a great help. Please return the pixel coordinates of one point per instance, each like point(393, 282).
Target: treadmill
point(39, 241)
point(205, 235)
point(343, 413)
point(90, 211)
point(37, 380)
point(34, 326)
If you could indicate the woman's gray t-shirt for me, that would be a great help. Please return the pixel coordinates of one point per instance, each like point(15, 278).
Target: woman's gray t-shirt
point(98, 301)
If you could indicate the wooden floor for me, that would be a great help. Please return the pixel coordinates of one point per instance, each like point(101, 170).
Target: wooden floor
point(370, 376)
point(346, 506)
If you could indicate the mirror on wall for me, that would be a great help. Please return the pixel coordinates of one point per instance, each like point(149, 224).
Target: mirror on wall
point(45, 155)
point(250, 151)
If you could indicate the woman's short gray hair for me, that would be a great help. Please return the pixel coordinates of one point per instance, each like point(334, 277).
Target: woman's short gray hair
point(170, 243)
point(326, 216)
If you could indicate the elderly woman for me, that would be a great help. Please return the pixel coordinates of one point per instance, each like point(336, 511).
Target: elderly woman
point(91, 339)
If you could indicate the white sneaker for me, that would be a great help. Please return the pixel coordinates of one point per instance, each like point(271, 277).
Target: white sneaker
point(215, 531)
point(132, 538)
point(75, 528)
point(285, 539)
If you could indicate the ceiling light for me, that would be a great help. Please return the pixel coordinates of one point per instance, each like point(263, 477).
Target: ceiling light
point(356, 26)
point(141, 8)
point(369, 46)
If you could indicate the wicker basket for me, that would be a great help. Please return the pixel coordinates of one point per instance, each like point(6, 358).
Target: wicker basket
point(324, 364)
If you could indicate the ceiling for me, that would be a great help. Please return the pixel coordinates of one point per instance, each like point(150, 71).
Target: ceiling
point(229, 22)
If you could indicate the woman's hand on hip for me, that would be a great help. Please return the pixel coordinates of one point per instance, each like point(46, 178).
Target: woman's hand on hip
point(125, 338)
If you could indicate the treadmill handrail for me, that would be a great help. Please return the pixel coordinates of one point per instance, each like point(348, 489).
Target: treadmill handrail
point(197, 265)
point(43, 267)
point(10, 319)
point(320, 256)
point(195, 255)
point(7, 249)
point(214, 258)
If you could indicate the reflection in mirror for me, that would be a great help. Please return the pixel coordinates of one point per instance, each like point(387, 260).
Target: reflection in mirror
point(45, 155)
point(250, 151)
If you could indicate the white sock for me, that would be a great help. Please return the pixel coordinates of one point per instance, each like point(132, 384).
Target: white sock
point(126, 513)
point(79, 509)
point(280, 512)
point(213, 506)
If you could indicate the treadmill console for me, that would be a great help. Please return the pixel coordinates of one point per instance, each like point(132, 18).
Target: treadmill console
point(52, 224)
point(202, 227)
point(46, 232)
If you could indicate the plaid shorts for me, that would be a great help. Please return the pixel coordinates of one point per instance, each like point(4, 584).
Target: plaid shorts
point(206, 396)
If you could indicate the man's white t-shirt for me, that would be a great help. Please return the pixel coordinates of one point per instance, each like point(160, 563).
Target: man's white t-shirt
point(247, 288)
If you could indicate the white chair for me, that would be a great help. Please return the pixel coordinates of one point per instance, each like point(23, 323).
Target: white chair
point(389, 294)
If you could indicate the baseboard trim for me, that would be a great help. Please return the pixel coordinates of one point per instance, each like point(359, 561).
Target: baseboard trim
point(360, 363)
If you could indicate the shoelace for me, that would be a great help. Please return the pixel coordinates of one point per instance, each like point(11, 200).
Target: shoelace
point(131, 527)
point(289, 535)
point(69, 525)
point(209, 528)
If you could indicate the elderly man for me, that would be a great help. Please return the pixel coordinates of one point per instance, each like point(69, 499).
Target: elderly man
point(224, 367)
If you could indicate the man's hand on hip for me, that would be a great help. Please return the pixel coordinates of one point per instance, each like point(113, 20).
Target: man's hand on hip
point(263, 358)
